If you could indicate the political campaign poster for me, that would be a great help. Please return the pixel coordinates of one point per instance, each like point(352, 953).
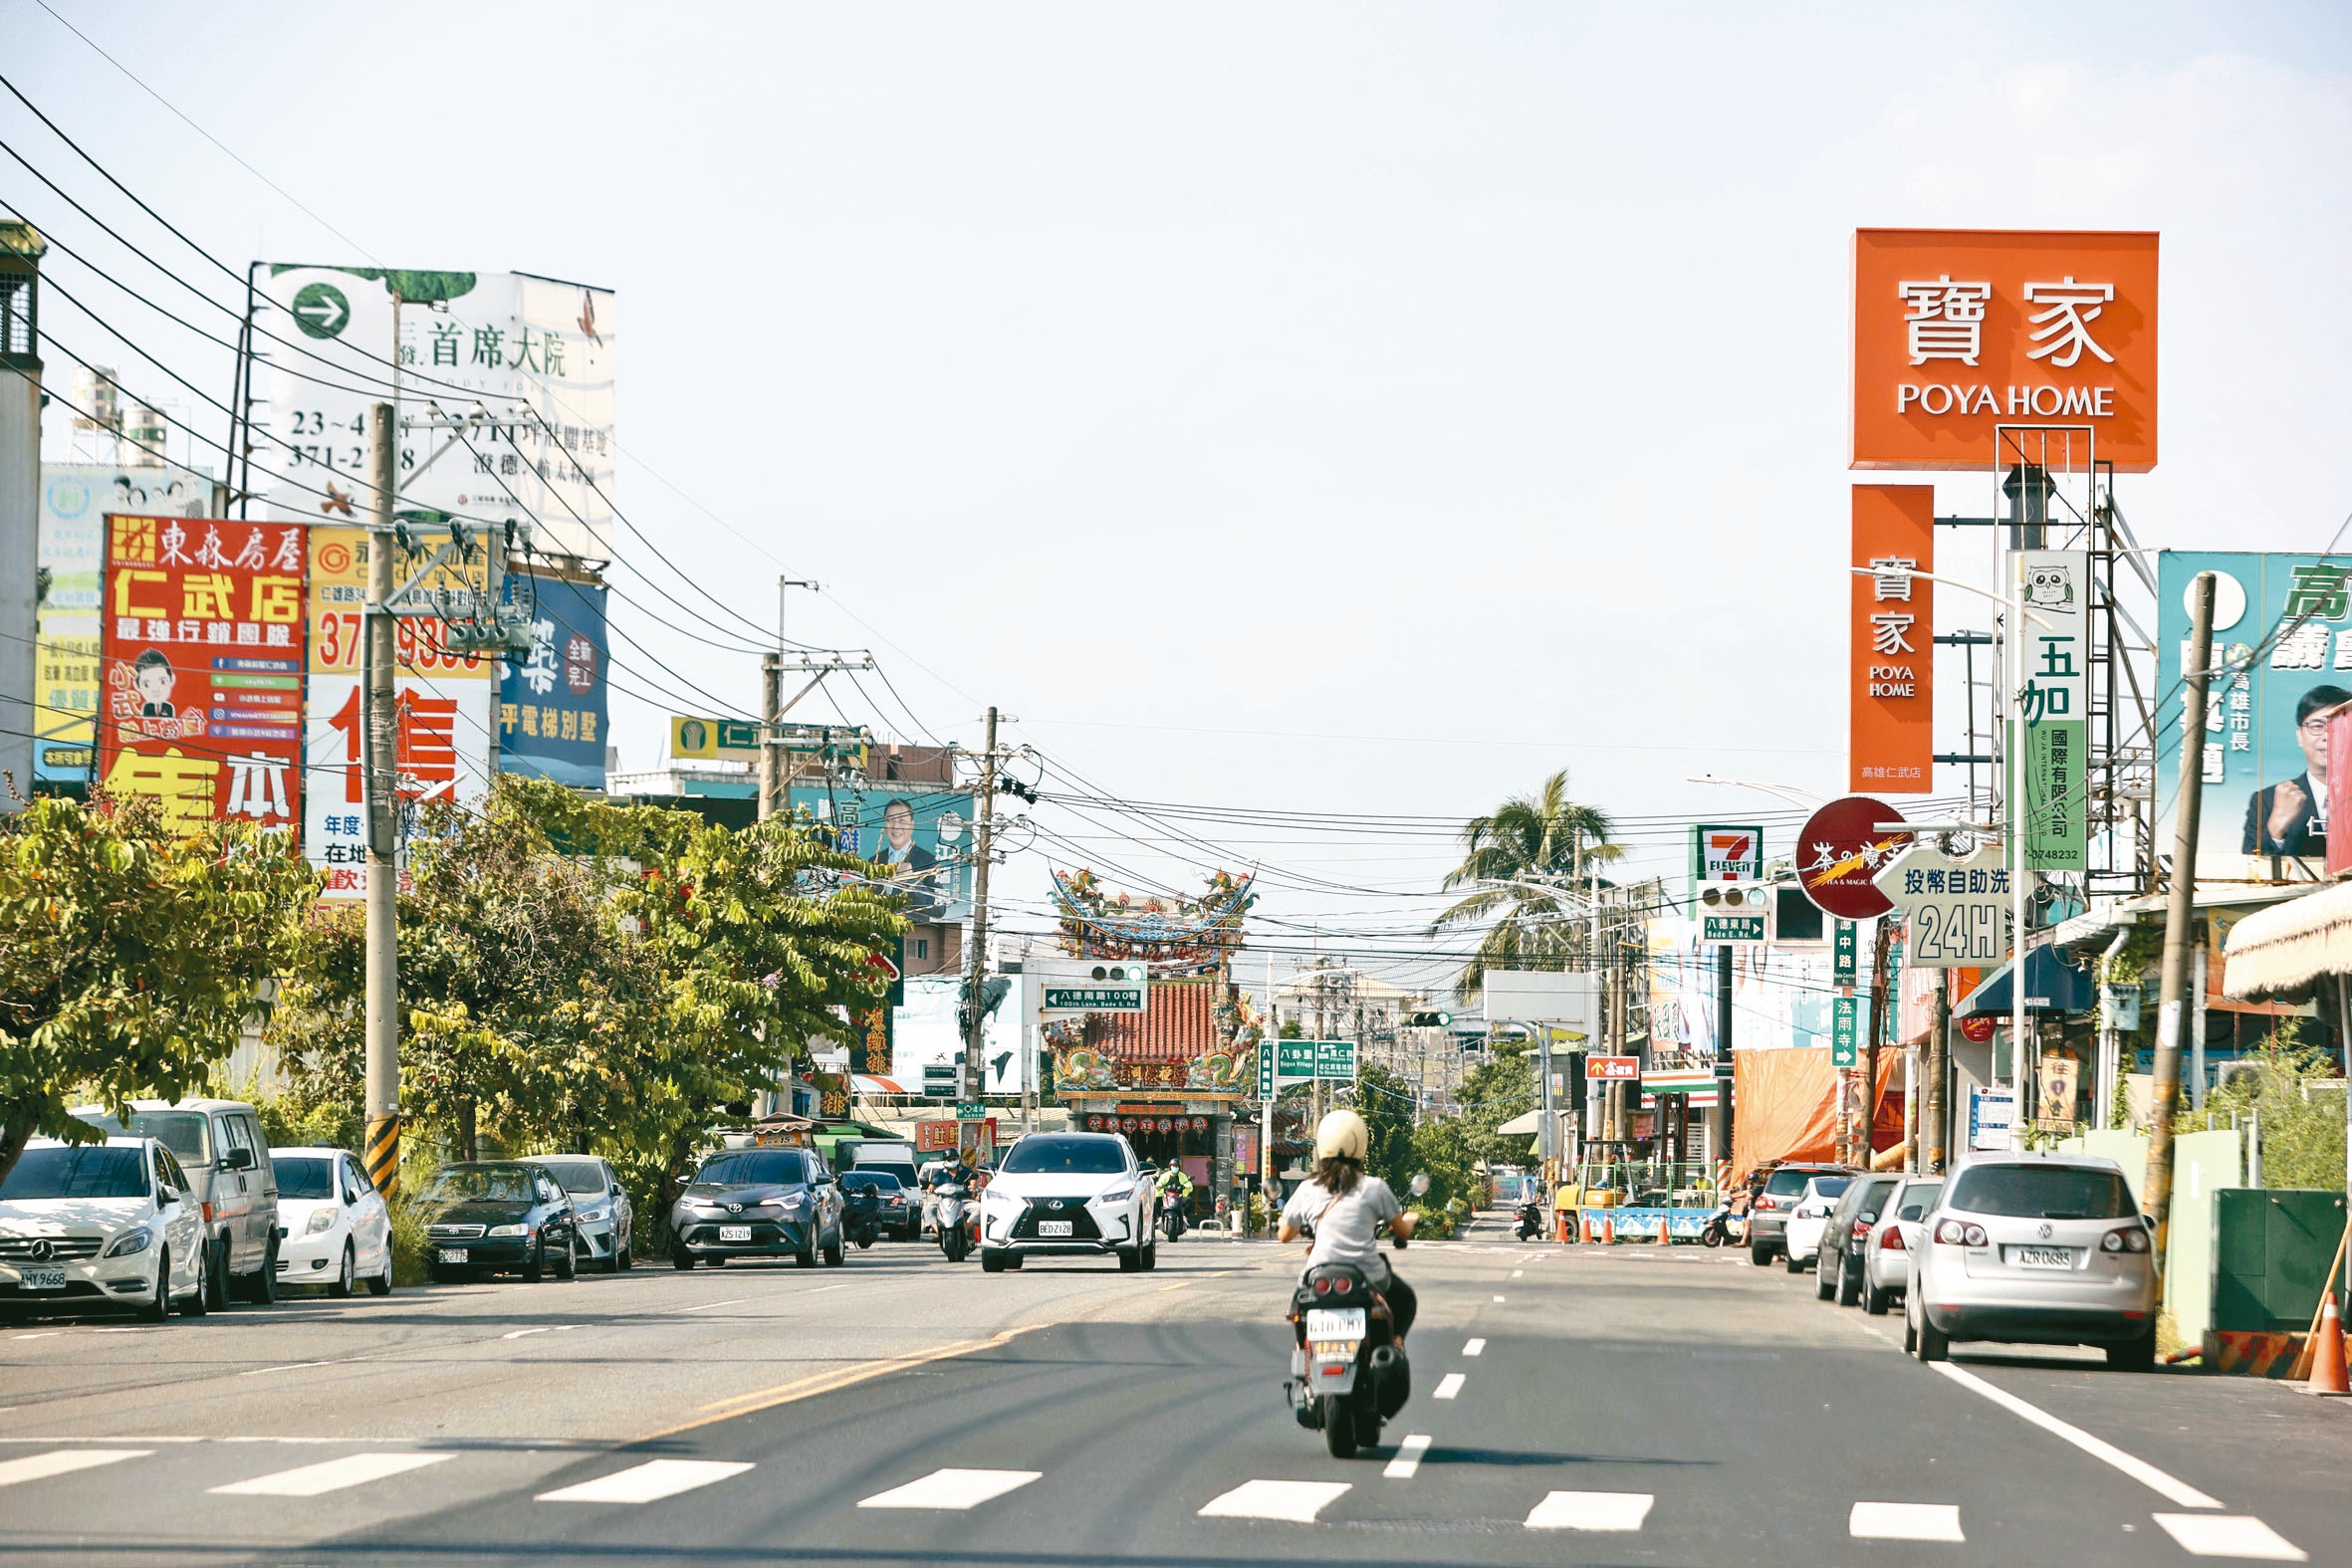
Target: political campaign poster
point(911, 836)
point(201, 669)
point(551, 714)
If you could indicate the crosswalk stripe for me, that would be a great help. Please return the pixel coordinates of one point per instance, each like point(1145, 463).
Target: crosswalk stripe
point(309, 1481)
point(1297, 1503)
point(1591, 1510)
point(1408, 1457)
point(1449, 1386)
point(63, 1462)
point(2229, 1535)
point(647, 1483)
point(1904, 1521)
point(951, 1489)
point(1476, 1347)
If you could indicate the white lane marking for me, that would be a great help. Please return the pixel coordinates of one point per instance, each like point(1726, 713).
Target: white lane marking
point(1497, 1298)
point(49, 1334)
point(1295, 1502)
point(521, 1333)
point(822, 1289)
point(1476, 1347)
point(647, 1482)
point(292, 1365)
point(707, 1306)
point(2099, 1449)
point(1514, 1274)
point(1904, 1521)
point(63, 1462)
point(1449, 1386)
point(2229, 1535)
point(353, 1470)
point(1591, 1510)
point(1408, 1457)
point(952, 1489)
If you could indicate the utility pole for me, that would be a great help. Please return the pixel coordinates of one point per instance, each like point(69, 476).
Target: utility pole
point(381, 779)
point(1932, 1118)
point(968, 1080)
point(2179, 914)
point(1719, 1120)
point(1866, 1116)
point(772, 707)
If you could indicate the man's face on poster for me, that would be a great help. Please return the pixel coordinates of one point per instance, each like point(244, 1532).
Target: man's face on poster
point(898, 827)
point(2312, 736)
point(153, 681)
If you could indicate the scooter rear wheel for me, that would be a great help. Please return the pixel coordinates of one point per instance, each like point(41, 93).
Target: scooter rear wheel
point(1338, 1428)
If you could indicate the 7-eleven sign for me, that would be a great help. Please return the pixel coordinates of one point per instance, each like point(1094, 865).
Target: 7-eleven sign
point(1727, 854)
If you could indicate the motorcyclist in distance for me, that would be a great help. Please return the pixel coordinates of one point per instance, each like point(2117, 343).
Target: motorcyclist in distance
point(1347, 1211)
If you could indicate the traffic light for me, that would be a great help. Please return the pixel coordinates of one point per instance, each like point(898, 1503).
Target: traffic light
point(1428, 1020)
point(1735, 912)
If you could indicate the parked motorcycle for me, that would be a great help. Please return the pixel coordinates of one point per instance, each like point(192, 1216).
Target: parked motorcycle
point(1348, 1376)
point(1722, 1226)
point(1531, 1220)
point(862, 1214)
point(953, 1215)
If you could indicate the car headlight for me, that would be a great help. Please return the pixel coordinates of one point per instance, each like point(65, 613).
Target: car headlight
point(1118, 1195)
point(321, 1220)
point(793, 1201)
point(127, 1245)
point(510, 1230)
point(593, 1212)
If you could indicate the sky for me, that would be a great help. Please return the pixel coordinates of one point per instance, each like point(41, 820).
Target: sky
point(1346, 409)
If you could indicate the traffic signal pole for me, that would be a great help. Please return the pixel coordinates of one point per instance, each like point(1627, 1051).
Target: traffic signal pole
point(380, 779)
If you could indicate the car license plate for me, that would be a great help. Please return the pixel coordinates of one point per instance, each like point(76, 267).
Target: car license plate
point(36, 1277)
point(2042, 1257)
point(1334, 1323)
point(1054, 1227)
point(735, 1233)
point(453, 1254)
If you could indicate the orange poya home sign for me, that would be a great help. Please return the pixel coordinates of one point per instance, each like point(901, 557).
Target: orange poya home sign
point(1959, 331)
point(1890, 746)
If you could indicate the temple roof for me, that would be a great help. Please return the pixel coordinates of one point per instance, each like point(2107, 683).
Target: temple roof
point(1179, 1024)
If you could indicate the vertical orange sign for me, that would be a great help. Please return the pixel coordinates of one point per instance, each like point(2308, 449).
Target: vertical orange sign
point(1891, 745)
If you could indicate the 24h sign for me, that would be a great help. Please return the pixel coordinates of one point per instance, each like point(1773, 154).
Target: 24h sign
point(1959, 910)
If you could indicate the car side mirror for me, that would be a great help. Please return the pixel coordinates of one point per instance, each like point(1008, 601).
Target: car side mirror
point(165, 1196)
point(237, 1160)
point(1868, 1217)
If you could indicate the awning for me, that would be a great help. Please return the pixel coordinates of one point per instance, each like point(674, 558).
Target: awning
point(868, 1085)
point(2275, 954)
point(2051, 986)
point(1525, 1126)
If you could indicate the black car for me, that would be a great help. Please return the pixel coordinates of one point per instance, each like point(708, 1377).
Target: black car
point(877, 1206)
point(488, 1215)
point(758, 1202)
point(1837, 1266)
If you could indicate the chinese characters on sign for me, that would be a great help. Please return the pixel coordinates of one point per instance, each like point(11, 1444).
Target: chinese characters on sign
point(551, 701)
point(1958, 332)
point(1845, 1032)
point(1890, 699)
point(1958, 909)
point(2052, 707)
point(200, 698)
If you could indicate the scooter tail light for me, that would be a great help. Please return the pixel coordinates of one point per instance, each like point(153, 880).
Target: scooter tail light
point(1322, 1287)
point(1861, 1229)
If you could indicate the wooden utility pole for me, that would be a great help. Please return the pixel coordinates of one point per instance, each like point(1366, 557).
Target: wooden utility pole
point(2180, 912)
point(1934, 1118)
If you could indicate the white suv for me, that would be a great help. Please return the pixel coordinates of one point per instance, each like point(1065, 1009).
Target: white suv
point(1067, 1194)
point(98, 1225)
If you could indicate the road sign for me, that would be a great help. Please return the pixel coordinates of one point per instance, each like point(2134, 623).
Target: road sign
point(1094, 986)
point(1335, 1059)
point(1840, 849)
point(1958, 909)
point(1612, 1069)
point(1845, 1032)
point(971, 1111)
point(1845, 945)
point(1301, 1061)
point(1726, 854)
point(1735, 912)
point(1265, 1083)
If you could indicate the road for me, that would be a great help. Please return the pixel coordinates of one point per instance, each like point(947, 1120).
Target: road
point(1625, 1405)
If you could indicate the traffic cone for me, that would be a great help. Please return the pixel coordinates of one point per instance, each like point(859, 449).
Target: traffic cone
point(2327, 1354)
point(1608, 1221)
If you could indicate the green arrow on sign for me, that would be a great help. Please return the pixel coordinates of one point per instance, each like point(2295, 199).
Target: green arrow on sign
point(1845, 1032)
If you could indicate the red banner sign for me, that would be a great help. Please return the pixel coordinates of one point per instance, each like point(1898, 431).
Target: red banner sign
point(1890, 687)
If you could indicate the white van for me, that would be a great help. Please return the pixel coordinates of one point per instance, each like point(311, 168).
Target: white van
point(219, 1145)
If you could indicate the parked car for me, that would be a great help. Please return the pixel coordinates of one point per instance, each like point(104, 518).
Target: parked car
point(758, 1202)
point(485, 1216)
point(1838, 1263)
point(602, 1210)
point(1081, 1193)
point(1768, 1222)
point(1800, 1238)
point(218, 1144)
point(109, 1225)
point(2037, 1250)
point(877, 1206)
point(1886, 1258)
point(338, 1230)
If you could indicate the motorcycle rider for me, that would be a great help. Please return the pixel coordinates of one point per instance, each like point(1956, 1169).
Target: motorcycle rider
point(952, 1171)
point(1349, 1211)
point(1175, 1192)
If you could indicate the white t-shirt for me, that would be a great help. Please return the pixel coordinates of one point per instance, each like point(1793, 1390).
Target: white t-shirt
point(1350, 1229)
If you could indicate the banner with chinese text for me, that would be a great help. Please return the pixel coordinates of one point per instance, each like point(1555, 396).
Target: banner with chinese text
point(2054, 706)
point(1891, 680)
point(552, 720)
point(200, 668)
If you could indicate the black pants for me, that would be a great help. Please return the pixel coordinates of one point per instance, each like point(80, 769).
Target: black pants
point(1403, 1305)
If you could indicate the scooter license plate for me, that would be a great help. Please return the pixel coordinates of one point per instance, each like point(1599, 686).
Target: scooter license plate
point(1054, 1227)
point(735, 1233)
point(1324, 1323)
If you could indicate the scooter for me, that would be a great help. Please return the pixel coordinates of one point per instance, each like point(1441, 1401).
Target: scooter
point(955, 1232)
point(1172, 1215)
point(1348, 1376)
point(1720, 1227)
point(1531, 1220)
point(861, 1217)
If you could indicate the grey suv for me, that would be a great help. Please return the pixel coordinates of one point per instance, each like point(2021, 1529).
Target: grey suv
point(1768, 1222)
point(1837, 1266)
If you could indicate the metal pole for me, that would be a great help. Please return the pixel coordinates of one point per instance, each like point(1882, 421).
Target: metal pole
point(2179, 914)
point(1719, 1120)
point(2011, 673)
point(380, 780)
point(969, 1079)
point(771, 743)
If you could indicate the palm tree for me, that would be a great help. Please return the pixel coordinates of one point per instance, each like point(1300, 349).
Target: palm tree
point(1510, 855)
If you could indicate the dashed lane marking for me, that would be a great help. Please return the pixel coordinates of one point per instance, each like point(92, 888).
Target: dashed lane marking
point(952, 1489)
point(647, 1483)
point(2139, 1470)
point(63, 1462)
point(1497, 1298)
point(1517, 1272)
point(1476, 1347)
point(1904, 1521)
point(1408, 1457)
point(2229, 1535)
point(1449, 1386)
point(1295, 1503)
point(1591, 1510)
point(353, 1470)
point(707, 1306)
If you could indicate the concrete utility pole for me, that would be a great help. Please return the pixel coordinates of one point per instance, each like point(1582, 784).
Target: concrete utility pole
point(773, 792)
point(381, 779)
point(1931, 1117)
point(968, 1080)
point(1719, 1120)
point(2179, 915)
point(20, 501)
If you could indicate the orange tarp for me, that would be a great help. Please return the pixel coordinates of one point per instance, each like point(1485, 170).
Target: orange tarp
point(1785, 1105)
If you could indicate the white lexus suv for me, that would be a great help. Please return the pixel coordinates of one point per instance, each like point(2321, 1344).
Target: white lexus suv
point(1067, 1194)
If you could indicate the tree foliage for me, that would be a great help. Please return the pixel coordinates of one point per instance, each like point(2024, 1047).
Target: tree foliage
point(1506, 855)
point(130, 954)
point(2301, 1126)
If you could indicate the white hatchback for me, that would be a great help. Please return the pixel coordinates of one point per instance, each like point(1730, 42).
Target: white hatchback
point(1811, 1217)
point(100, 1225)
point(338, 1230)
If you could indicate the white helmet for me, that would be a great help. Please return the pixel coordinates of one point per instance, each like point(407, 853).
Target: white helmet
point(1341, 1134)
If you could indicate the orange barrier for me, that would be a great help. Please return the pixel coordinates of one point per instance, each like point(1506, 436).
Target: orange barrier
point(2328, 1360)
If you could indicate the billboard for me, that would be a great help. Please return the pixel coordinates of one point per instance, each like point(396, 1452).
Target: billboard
point(200, 668)
point(552, 716)
point(442, 706)
point(1958, 332)
point(2283, 656)
point(1890, 688)
point(2054, 705)
point(536, 354)
point(75, 501)
point(911, 836)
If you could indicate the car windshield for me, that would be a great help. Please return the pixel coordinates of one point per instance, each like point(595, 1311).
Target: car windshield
point(2043, 1192)
point(1055, 1155)
point(580, 1178)
point(1918, 1198)
point(753, 1168)
point(185, 1133)
point(1787, 1181)
point(869, 1182)
point(89, 1171)
point(466, 1184)
point(1831, 1185)
point(303, 1176)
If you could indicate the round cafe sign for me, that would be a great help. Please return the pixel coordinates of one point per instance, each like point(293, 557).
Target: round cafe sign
point(1840, 851)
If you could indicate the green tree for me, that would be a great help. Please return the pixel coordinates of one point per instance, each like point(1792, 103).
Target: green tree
point(1510, 856)
point(2302, 1124)
point(130, 954)
point(1386, 1104)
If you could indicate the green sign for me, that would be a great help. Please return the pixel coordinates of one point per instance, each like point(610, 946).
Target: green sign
point(1730, 928)
point(1335, 1059)
point(2057, 753)
point(1095, 999)
point(1301, 1061)
point(1265, 1054)
point(1845, 1032)
point(971, 1111)
point(1845, 944)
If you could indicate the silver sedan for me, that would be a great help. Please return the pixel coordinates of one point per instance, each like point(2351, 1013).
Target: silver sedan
point(608, 1224)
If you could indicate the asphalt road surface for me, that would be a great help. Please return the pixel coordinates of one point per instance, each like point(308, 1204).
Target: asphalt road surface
point(1571, 1406)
